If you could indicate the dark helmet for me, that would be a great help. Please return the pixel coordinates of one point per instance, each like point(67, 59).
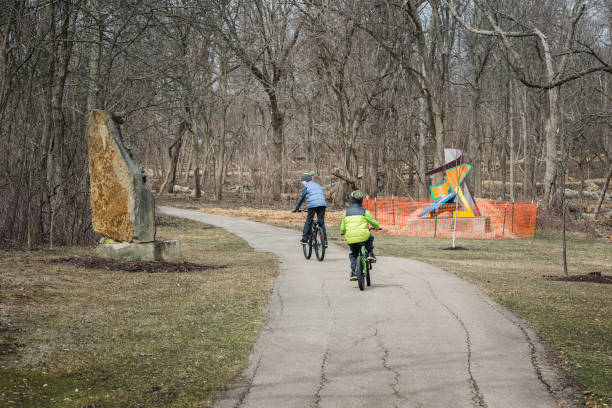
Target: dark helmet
point(357, 196)
point(306, 177)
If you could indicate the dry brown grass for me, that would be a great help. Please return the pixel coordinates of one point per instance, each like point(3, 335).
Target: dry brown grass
point(71, 336)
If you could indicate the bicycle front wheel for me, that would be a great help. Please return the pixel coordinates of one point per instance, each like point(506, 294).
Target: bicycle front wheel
point(319, 244)
point(307, 248)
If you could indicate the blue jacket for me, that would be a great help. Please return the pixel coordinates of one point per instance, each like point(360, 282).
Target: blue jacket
point(312, 192)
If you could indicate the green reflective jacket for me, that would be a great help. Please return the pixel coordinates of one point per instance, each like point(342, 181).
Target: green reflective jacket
point(355, 227)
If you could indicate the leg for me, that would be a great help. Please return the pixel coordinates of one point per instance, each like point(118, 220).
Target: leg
point(321, 218)
point(369, 246)
point(354, 255)
point(308, 225)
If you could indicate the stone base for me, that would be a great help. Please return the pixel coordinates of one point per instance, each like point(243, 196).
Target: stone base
point(168, 251)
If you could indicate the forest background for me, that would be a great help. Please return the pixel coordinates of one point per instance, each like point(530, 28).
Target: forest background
point(241, 96)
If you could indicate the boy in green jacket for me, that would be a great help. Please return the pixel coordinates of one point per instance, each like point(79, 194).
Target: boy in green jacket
point(354, 227)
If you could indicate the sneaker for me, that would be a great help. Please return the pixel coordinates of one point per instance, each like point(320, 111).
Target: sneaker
point(353, 276)
point(371, 257)
point(303, 242)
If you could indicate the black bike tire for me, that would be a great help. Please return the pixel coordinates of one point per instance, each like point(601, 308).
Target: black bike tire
point(320, 245)
point(307, 248)
point(368, 273)
point(360, 273)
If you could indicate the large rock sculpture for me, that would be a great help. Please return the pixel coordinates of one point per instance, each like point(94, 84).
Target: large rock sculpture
point(122, 206)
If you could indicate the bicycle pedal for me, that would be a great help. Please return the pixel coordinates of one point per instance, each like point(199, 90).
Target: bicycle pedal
point(353, 278)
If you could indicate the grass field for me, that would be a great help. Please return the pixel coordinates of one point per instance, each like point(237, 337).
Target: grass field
point(573, 318)
point(75, 337)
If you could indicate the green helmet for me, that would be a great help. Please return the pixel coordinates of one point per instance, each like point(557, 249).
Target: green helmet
point(357, 195)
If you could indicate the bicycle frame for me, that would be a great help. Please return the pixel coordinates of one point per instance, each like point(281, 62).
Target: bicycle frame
point(364, 259)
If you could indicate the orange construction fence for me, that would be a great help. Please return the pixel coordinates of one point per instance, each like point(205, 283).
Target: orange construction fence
point(498, 219)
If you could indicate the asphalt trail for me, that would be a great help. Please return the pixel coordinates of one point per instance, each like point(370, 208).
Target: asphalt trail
point(418, 337)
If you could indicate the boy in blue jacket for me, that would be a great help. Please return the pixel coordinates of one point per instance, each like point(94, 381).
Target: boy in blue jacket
point(315, 196)
point(355, 229)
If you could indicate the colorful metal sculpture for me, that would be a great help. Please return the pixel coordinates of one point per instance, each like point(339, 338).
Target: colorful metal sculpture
point(445, 195)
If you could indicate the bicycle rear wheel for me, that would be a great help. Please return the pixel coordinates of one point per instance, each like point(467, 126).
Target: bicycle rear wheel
point(319, 244)
point(369, 268)
point(360, 273)
point(307, 248)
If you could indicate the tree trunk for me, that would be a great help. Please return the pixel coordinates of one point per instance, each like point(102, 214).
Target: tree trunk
point(422, 151)
point(475, 151)
point(436, 117)
point(511, 135)
point(197, 189)
point(5, 88)
point(48, 130)
point(528, 156)
point(173, 151)
point(503, 167)
point(581, 166)
point(603, 191)
point(551, 131)
point(277, 148)
point(94, 55)
point(220, 160)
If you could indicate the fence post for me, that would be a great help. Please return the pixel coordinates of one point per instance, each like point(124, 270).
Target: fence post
point(435, 226)
point(393, 209)
point(512, 217)
point(504, 223)
point(375, 214)
point(536, 219)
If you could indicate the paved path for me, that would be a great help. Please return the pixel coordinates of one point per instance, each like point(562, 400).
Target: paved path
point(418, 337)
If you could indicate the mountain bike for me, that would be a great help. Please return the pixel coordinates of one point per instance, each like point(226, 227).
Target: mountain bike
point(363, 267)
point(316, 240)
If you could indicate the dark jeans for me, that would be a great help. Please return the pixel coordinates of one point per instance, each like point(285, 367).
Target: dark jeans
point(320, 211)
point(356, 249)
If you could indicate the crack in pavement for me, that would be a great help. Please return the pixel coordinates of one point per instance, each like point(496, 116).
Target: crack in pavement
point(362, 339)
point(329, 306)
point(412, 298)
point(477, 397)
point(385, 363)
point(322, 379)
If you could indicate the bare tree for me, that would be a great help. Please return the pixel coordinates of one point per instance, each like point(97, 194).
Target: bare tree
point(551, 78)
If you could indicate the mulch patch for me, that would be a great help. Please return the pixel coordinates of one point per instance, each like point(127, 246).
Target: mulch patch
point(594, 277)
point(92, 262)
point(457, 248)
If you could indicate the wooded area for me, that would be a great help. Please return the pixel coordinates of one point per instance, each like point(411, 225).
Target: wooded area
point(260, 90)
